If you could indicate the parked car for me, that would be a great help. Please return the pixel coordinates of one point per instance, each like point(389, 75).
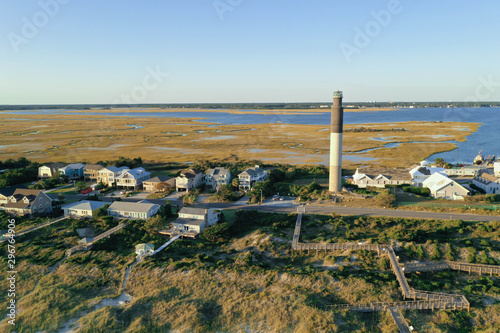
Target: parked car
point(88, 190)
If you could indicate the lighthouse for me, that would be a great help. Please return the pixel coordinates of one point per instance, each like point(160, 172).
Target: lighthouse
point(336, 129)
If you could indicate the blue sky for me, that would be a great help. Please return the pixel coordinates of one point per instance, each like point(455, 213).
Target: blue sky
point(247, 51)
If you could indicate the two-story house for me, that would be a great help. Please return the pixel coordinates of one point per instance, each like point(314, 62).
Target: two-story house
point(108, 175)
point(132, 179)
point(73, 171)
point(188, 179)
point(216, 177)
point(24, 202)
point(50, 170)
point(150, 185)
point(195, 220)
point(422, 172)
point(91, 172)
point(250, 176)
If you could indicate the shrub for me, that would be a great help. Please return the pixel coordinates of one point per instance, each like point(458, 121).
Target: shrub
point(385, 199)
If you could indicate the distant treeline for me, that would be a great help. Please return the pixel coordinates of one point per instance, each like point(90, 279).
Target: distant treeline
point(252, 106)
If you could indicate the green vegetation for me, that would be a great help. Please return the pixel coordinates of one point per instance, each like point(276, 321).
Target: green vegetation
point(18, 172)
point(242, 274)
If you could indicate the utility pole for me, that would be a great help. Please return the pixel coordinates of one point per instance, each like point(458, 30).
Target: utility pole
point(261, 197)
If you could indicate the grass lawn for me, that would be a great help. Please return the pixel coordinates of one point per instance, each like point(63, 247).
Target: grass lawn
point(71, 190)
point(170, 173)
point(229, 215)
point(306, 181)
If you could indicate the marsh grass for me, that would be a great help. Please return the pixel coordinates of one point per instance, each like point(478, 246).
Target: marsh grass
point(102, 137)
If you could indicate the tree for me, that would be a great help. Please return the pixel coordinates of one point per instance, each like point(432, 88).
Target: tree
point(100, 212)
point(154, 224)
point(226, 193)
point(216, 233)
point(439, 162)
point(386, 199)
point(163, 187)
point(80, 185)
point(236, 183)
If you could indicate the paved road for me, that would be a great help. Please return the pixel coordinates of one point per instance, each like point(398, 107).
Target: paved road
point(288, 206)
point(359, 211)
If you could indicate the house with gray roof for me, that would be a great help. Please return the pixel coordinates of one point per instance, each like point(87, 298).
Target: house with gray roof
point(380, 177)
point(133, 210)
point(195, 220)
point(250, 176)
point(132, 178)
point(83, 208)
point(108, 174)
point(188, 180)
point(73, 171)
point(488, 182)
point(216, 177)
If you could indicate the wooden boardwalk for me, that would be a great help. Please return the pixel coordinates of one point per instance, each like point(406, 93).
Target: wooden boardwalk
point(40, 226)
point(422, 300)
point(453, 265)
point(400, 320)
point(87, 246)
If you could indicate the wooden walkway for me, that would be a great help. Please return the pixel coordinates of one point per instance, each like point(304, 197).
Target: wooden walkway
point(422, 300)
point(453, 265)
point(87, 246)
point(40, 226)
point(400, 320)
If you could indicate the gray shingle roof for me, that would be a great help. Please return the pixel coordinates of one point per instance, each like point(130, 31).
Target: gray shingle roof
point(193, 211)
point(131, 207)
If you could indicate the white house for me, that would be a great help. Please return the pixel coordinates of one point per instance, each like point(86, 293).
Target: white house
point(443, 187)
point(496, 169)
point(216, 177)
point(83, 208)
point(132, 178)
point(73, 171)
point(195, 220)
point(144, 249)
point(489, 183)
point(422, 172)
point(188, 179)
point(108, 175)
point(133, 210)
point(379, 177)
point(49, 170)
point(250, 176)
point(466, 171)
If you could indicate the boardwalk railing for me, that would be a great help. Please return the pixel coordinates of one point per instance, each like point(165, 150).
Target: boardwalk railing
point(454, 265)
point(88, 245)
point(40, 226)
point(422, 300)
point(407, 305)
